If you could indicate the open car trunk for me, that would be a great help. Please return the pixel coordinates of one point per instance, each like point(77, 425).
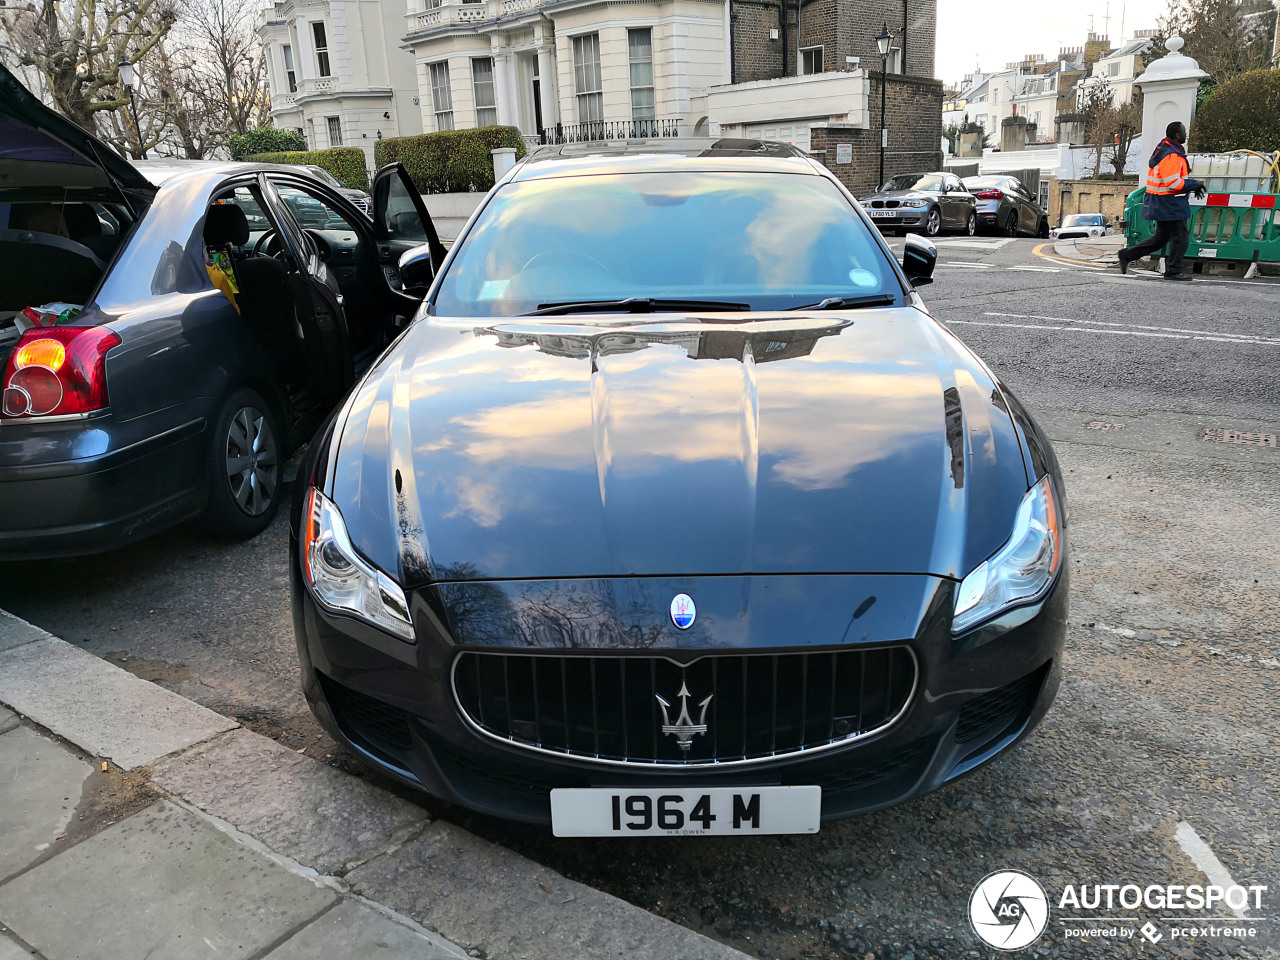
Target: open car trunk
point(66, 202)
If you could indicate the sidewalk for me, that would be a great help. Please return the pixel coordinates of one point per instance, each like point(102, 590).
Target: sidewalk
point(1101, 250)
point(136, 824)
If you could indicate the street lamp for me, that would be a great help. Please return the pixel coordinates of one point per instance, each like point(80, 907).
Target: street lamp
point(127, 77)
point(882, 42)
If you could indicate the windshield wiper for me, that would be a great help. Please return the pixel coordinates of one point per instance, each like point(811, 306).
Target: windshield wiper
point(851, 303)
point(634, 305)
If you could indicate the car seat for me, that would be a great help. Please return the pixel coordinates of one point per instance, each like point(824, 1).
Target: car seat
point(84, 227)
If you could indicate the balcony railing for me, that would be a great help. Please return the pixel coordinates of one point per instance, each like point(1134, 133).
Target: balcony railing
point(599, 130)
point(311, 86)
point(467, 11)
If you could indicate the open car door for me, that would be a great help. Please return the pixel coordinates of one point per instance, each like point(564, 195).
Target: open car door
point(401, 223)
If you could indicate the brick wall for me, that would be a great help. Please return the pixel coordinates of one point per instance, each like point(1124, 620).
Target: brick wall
point(1088, 196)
point(914, 112)
point(843, 28)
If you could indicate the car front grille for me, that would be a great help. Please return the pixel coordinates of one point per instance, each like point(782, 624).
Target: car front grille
point(886, 204)
point(362, 203)
point(727, 708)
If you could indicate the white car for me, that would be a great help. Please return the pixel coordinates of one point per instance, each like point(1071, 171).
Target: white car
point(1081, 225)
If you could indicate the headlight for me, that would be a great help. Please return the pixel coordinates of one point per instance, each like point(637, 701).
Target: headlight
point(917, 204)
point(342, 579)
point(1020, 571)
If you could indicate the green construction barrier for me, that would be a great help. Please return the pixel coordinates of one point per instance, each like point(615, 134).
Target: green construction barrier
point(1244, 233)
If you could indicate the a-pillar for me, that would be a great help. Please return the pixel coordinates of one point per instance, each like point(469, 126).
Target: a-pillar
point(1169, 88)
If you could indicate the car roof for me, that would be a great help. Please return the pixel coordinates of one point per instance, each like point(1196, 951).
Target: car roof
point(669, 155)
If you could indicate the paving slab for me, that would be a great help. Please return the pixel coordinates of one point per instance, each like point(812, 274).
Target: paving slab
point(481, 896)
point(102, 709)
point(352, 931)
point(297, 806)
point(8, 719)
point(14, 631)
point(12, 951)
point(162, 884)
point(40, 786)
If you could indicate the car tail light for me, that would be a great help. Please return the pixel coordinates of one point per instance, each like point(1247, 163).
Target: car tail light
point(57, 370)
point(992, 194)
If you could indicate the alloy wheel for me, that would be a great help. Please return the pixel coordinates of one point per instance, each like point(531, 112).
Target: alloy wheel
point(1011, 228)
point(251, 458)
point(933, 225)
point(971, 225)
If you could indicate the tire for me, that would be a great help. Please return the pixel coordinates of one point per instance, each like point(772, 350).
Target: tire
point(933, 223)
point(245, 463)
point(1011, 225)
point(971, 225)
point(1043, 231)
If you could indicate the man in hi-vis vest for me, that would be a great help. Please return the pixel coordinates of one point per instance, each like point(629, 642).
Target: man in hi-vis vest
point(1166, 203)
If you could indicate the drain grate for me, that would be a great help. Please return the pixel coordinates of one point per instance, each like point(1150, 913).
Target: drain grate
point(1237, 436)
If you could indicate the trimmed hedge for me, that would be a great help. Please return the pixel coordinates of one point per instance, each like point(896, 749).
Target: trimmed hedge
point(345, 163)
point(452, 161)
point(266, 140)
point(1242, 114)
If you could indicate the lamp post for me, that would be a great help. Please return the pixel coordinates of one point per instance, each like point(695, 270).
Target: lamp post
point(882, 42)
point(127, 77)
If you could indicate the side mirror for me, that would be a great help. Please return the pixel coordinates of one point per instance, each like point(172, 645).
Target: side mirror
point(417, 268)
point(919, 257)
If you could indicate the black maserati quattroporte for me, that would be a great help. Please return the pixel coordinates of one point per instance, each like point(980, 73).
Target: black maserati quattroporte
point(674, 512)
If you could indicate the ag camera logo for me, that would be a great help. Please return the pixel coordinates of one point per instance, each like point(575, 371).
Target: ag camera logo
point(1008, 910)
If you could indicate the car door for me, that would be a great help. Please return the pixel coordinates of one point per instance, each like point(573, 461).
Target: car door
point(958, 199)
point(401, 222)
point(1028, 219)
point(318, 301)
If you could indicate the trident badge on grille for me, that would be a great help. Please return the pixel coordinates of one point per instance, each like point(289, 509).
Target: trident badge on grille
point(684, 728)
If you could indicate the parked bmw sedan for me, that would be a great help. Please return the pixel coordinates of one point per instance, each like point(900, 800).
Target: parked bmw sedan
point(165, 343)
point(681, 517)
point(1006, 206)
point(927, 203)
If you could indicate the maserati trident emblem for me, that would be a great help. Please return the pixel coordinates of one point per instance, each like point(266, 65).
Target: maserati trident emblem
point(684, 728)
point(683, 611)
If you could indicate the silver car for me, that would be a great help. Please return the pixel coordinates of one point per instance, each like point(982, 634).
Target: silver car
point(925, 202)
point(1007, 207)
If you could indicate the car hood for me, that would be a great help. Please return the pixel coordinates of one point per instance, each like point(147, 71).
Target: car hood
point(40, 148)
point(859, 442)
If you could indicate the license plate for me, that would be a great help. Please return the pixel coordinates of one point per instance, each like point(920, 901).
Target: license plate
point(673, 811)
point(890, 214)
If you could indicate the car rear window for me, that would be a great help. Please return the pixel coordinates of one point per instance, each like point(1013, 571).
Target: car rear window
point(773, 241)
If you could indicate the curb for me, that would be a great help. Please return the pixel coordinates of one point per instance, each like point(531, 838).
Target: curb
point(474, 897)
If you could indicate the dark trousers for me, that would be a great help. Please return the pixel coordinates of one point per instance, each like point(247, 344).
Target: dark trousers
point(1175, 233)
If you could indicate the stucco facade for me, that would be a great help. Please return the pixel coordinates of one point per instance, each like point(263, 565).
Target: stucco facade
point(336, 74)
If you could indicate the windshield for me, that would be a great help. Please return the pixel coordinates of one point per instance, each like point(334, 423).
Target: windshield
point(914, 181)
point(771, 241)
point(321, 174)
point(1083, 220)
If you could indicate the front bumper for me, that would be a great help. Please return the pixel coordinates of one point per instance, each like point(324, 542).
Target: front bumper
point(75, 487)
point(902, 219)
point(392, 703)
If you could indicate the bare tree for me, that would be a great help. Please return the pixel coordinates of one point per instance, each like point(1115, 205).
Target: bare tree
point(1117, 130)
point(75, 46)
point(1226, 37)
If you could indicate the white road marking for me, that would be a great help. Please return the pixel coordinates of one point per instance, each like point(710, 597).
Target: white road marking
point(1242, 337)
point(980, 244)
point(1038, 269)
point(1123, 333)
point(1206, 861)
point(966, 263)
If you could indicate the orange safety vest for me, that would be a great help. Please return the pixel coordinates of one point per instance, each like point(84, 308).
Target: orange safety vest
point(1168, 176)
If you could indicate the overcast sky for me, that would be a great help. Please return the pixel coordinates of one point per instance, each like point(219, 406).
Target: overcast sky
point(995, 32)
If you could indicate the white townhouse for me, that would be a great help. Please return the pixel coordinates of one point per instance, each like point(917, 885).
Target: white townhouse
point(571, 65)
point(1118, 69)
point(336, 72)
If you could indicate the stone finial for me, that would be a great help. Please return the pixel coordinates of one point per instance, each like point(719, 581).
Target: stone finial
point(1174, 44)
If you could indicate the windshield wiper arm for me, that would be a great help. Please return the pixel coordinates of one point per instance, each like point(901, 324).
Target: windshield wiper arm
point(634, 305)
point(851, 303)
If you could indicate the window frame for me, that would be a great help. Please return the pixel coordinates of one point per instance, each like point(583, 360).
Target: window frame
point(290, 69)
point(805, 70)
point(443, 116)
point(319, 33)
point(490, 109)
point(333, 125)
point(641, 112)
point(587, 101)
